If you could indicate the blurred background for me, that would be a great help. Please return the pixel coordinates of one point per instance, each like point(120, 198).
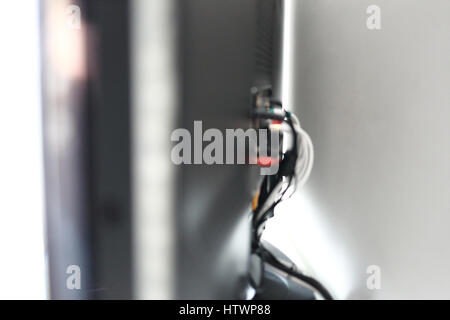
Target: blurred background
point(376, 104)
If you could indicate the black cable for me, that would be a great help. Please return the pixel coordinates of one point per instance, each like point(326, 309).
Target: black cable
point(266, 215)
point(287, 168)
point(288, 165)
point(275, 262)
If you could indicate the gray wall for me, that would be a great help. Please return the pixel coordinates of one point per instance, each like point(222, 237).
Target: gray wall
point(377, 105)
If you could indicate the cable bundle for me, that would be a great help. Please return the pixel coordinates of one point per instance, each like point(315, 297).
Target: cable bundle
point(294, 171)
point(296, 165)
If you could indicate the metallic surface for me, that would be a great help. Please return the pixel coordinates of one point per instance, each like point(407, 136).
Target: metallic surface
point(113, 91)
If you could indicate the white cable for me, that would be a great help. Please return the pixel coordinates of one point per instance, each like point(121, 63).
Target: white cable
point(305, 161)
